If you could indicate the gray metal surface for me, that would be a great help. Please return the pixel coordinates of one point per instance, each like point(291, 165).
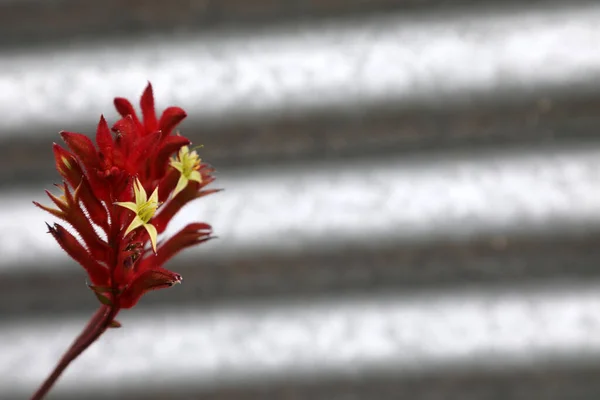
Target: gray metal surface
point(347, 64)
point(220, 346)
point(415, 200)
point(412, 203)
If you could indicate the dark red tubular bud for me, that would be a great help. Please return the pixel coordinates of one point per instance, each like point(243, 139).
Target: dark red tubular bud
point(146, 280)
point(203, 193)
point(148, 111)
point(69, 168)
point(104, 140)
point(57, 213)
point(190, 235)
point(169, 119)
point(83, 148)
point(142, 152)
point(86, 154)
point(71, 212)
point(62, 204)
point(127, 131)
point(79, 220)
point(167, 184)
point(67, 165)
point(94, 207)
point(167, 211)
point(191, 192)
point(125, 108)
point(169, 146)
point(99, 274)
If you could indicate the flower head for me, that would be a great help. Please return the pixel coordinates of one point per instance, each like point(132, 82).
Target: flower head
point(105, 188)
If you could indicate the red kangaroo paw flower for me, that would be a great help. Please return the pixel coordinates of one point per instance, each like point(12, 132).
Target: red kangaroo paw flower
point(117, 185)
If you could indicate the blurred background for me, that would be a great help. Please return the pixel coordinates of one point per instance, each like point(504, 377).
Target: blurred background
point(412, 203)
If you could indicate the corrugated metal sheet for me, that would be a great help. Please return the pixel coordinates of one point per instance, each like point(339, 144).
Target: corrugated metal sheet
point(411, 209)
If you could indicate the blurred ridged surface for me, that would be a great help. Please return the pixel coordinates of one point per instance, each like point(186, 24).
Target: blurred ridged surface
point(385, 163)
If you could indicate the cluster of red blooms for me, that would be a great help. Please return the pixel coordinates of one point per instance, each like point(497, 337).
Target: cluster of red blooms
point(105, 199)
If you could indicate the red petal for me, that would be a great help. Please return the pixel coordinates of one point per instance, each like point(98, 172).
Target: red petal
point(170, 145)
point(75, 216)
point(150, 279)
point(162, 219)
point(94, 207)
point(169, 119)
point(127, 136)
point(86, 154)
point(167, 184)
point(126, 127)
point(98, 274)
point(148, 112)
point(60, 204)
point(190, 235)
point(144, 150)
point(67, 165)
point(104, 139)
point(83, 148)
point(56, 213)
point(125, 108)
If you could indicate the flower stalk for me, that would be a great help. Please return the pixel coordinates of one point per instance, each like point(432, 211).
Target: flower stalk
point(99, 322)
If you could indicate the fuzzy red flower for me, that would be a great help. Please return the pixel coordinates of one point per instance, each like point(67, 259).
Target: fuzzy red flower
point(113, 194)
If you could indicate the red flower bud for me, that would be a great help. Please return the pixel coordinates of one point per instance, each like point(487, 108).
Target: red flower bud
point(83, 148)
point(148, 112)
point(145, 281)
point(98, 273)
point(169, 119)
point(104, 141)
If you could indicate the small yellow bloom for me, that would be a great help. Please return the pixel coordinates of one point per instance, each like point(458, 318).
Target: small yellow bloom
point(144, 210)
point(188, 164)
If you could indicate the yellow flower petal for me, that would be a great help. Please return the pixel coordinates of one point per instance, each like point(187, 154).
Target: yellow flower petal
point(195, 176)
point(129, 205)
point(178, 165)
point(153, 235)
point(136, 223)
point(154, 197)
point(181, 184)
point(140, 194)
point(183, 152)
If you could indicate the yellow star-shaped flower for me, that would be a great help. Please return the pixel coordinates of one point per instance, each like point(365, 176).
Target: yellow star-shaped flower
point(188, 164)
point(144, 210)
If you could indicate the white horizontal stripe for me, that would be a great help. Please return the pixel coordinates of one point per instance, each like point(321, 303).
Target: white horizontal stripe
point(212, 347)
point(292, 69)
point(363, 202)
